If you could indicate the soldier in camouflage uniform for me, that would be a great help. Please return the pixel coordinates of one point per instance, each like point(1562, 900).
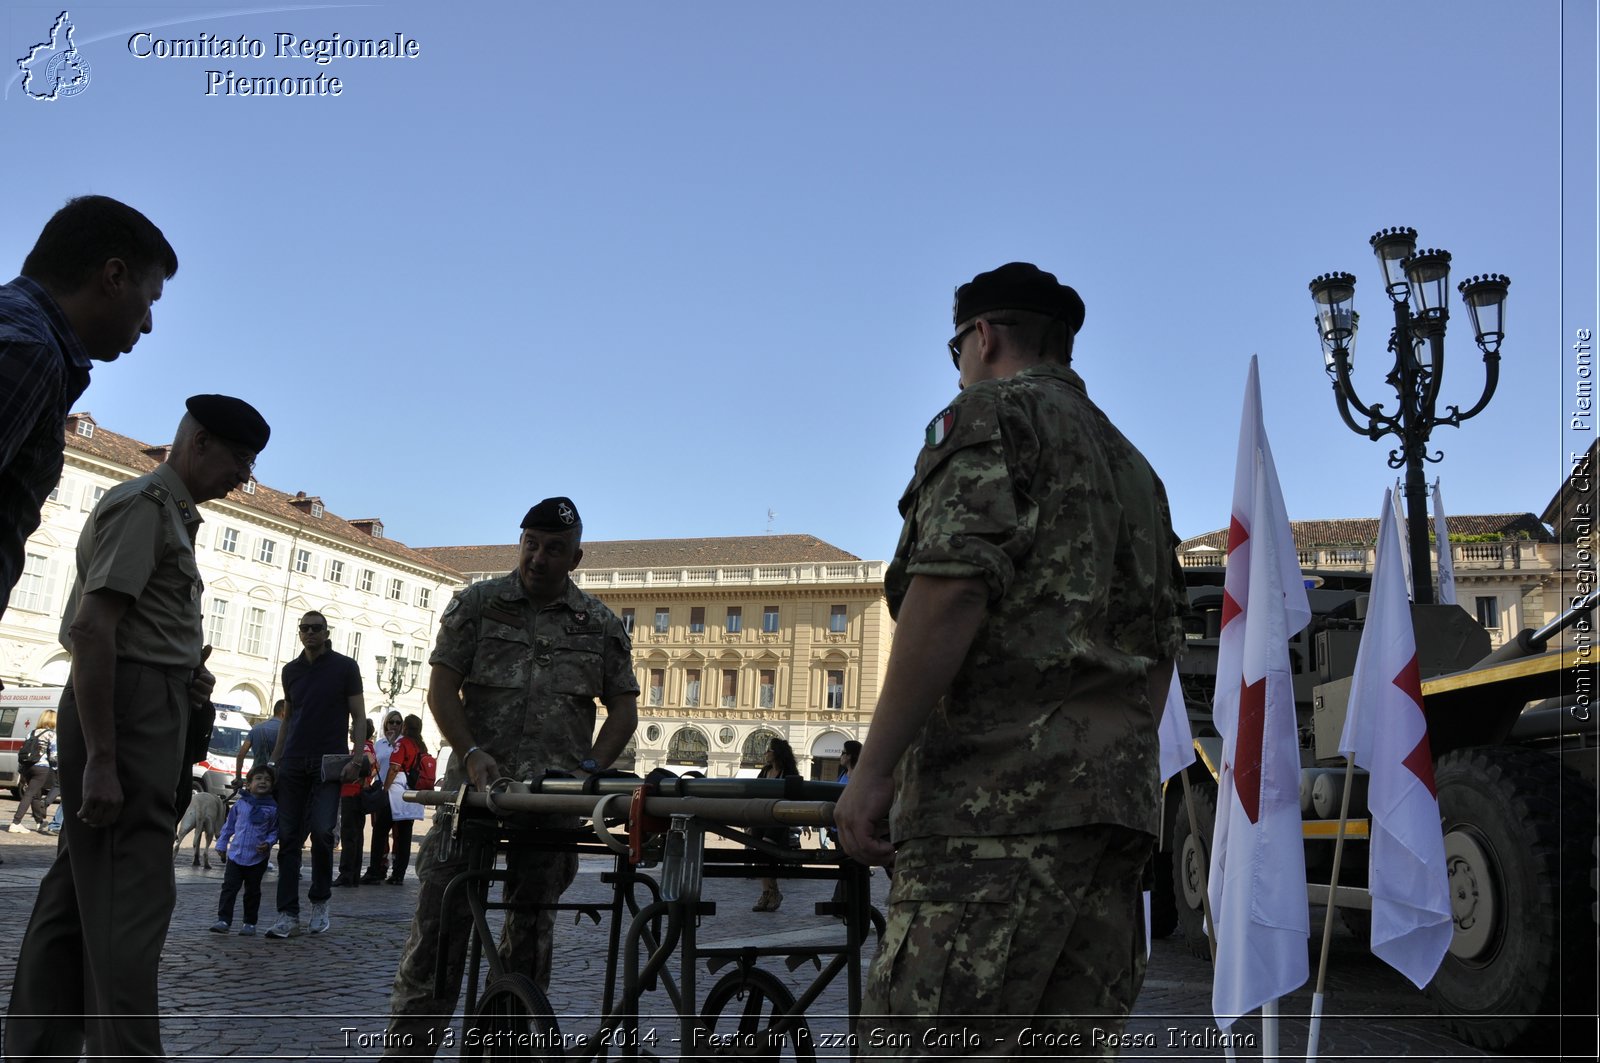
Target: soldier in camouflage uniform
point(1037, 599)
point(516, 669)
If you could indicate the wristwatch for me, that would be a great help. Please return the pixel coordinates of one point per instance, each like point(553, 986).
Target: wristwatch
point(589, 765)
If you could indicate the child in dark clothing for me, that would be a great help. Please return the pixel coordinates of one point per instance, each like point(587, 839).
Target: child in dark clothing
point(246, 838)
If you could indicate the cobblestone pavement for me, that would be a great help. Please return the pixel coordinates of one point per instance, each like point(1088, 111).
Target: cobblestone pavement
point(326, 997)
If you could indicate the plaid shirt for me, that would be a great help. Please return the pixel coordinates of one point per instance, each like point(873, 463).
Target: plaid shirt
point(43, 371)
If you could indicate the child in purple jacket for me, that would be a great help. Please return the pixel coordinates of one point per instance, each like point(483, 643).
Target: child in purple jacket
point(245, 841)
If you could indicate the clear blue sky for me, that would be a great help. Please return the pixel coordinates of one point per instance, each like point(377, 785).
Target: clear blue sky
point(689, 262)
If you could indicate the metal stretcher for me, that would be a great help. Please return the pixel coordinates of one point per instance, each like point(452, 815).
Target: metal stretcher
point(655, 831)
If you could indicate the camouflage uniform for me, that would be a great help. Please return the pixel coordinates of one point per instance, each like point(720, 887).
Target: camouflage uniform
point(530, 678)
point(1027, 808)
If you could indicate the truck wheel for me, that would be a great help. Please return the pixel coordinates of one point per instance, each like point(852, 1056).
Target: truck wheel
point(1517, 834)
point(1191, 864)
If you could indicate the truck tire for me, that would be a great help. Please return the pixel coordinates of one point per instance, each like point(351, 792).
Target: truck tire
point(1191, 863)
point(1517, 838)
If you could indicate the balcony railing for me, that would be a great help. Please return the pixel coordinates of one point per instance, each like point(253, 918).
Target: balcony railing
point(847, 572)
point(1504, 554)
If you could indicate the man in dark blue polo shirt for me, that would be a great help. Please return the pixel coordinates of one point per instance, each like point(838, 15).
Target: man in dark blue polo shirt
point(322, 690)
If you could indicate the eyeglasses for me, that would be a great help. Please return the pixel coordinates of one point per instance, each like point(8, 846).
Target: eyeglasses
point(309, 628)
point(955, 345)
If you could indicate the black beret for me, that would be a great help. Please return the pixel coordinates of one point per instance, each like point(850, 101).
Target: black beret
point(553, 514)
point(231, 418)
point(1019, 286)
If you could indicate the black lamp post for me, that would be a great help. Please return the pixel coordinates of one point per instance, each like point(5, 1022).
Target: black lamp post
point(1417, 283)
point(396, 677)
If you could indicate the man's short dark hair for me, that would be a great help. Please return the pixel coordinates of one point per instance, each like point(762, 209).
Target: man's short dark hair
point(81, 236)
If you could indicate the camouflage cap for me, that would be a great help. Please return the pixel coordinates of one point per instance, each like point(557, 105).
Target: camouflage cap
point(554, 514)
point(1019, 286)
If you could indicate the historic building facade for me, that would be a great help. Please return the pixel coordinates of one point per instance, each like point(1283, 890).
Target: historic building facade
point(265, 556)
point(1509, 570)
point(736, 641)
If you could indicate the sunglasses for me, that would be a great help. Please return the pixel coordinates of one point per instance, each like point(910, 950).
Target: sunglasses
point(309, 628)
point(955, 345)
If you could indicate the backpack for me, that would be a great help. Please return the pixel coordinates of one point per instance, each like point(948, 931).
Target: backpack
point(427, 772)
point(30, 752)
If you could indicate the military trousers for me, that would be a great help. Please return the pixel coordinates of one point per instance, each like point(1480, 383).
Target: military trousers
point(419, 1023)
point(1028, 944)
point(86, 974)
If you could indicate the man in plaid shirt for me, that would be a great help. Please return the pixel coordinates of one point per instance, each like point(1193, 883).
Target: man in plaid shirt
point(84, 296)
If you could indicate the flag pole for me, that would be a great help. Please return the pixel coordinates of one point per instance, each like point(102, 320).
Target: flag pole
point(1205, 887)
point(1269, 1030)
point(1333, 892)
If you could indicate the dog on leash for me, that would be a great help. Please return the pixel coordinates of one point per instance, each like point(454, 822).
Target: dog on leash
point(204, 818)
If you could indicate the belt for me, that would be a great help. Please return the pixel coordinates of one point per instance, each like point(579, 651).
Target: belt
point(172, 671)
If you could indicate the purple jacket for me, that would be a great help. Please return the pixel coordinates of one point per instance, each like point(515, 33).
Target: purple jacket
point(252, 823)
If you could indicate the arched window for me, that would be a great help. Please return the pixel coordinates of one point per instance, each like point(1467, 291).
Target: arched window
point(754, 753)
point(689, 747)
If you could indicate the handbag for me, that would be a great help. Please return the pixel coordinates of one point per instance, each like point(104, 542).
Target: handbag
point(374, 799)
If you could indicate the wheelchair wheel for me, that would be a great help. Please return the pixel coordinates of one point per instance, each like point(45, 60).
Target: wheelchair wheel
point(740, 1013)
point(514, 1021)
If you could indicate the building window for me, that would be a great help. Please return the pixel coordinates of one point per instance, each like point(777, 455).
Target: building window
point(768, 688)
point(85, 428)
point(255, 633)
point(697, 620)
point(835, 689)
point(335, 571)
point(33, 589)
point(355, 645)
point(730, 688)
point(663, 618)
point(837, 621)
point(691, 687)
point(265, 551)
point(217, 621)
point(92, 496)
point(302, 562)
point(769, 620)
point(316, 510)
point(627, 621)
point(658, 683)
point(55, 492)
point(249, 487)
point(735, 620)
point(688, 747)
point(395, 589)
point(424, 598)
point(367, 576)
point(1489, 612)
point(230, 541)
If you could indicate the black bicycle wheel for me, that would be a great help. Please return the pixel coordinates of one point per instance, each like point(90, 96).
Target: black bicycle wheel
point(749, 1029)
point(514, 1021)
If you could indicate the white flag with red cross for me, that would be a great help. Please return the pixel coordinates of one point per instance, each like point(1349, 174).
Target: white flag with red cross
point(1386, 731)
point(1258, 882)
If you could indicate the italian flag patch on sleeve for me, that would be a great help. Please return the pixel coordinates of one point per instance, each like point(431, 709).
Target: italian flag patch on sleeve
point(939, 428)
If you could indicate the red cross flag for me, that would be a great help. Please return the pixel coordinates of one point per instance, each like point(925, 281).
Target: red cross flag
point(1385, 731)
point(1258, 880)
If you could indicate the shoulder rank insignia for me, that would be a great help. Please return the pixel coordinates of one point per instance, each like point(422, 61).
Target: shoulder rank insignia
point(157, 494)
point(940, 427)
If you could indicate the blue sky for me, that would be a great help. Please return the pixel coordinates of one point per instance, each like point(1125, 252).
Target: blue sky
point(689, 262)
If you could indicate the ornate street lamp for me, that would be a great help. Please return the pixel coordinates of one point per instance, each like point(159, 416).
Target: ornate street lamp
point(396, 677)
point(1416, 283)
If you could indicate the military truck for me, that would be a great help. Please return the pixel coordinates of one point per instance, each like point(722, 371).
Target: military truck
point(1513, 736)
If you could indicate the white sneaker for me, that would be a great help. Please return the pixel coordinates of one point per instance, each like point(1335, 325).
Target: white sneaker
point(287, 926)
point(17, 828)
point(319, 917)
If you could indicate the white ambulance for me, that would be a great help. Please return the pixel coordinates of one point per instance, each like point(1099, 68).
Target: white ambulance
point(20, 709)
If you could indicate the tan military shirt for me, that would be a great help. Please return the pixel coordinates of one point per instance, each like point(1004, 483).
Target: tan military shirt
point(139, 541)
point(531, 675)
point(1025, 484)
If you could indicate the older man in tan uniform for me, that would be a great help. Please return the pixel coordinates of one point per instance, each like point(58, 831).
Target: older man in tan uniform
point(86, 975)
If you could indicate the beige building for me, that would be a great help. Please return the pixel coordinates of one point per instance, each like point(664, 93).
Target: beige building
point(1508, 568)
point(736, 641)
point(265, 556)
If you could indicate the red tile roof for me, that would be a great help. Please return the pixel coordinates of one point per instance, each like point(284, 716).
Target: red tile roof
point(720, 552)
point(130, 453)
point(1363, 531)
